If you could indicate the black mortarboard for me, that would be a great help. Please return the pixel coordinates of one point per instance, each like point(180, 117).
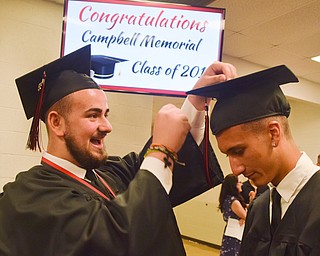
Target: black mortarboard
point(43, 87)
point(248, 98)
point(103, 66)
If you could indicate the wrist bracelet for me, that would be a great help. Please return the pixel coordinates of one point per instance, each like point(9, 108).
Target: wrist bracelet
point(165, 150)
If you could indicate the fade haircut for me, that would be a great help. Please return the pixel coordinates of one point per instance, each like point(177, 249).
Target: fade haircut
point(258, 126)
point(63, 107)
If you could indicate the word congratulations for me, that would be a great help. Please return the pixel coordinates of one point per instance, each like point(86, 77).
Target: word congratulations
point(88, 14)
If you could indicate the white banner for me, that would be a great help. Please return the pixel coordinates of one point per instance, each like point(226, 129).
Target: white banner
point(144, 47)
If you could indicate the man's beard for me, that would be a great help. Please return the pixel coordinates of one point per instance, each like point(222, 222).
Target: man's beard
point(84, 157)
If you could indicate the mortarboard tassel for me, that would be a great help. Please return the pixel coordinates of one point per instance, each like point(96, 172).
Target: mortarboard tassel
point(33, 139)
point(206, 145)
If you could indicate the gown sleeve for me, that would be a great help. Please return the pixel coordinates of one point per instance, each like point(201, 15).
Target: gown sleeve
point(192, 179)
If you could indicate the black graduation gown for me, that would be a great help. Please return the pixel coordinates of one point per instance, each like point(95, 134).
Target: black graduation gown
point(298, 233)
point(45, 212)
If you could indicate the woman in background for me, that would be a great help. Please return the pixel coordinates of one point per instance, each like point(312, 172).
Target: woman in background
point(232, 205)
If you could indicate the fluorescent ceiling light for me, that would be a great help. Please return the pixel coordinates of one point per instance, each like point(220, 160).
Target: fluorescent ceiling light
point(317, 58)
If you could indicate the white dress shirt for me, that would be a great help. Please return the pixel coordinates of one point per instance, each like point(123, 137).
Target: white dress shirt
point(294, 181)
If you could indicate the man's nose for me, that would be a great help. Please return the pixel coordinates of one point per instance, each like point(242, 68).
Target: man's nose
point(236, 167)
point(105, 125)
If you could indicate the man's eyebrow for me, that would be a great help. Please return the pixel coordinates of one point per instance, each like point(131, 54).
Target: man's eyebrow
point(99, 110)
point(233, 149)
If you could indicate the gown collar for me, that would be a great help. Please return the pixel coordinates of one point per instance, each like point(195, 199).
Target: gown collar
point(76, 170)
point(300, 174)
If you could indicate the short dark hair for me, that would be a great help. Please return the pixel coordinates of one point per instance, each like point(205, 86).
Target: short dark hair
point(63, 107)
point(259, 125)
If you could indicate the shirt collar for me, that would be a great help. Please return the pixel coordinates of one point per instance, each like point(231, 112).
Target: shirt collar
point(303, 170)
point(76, 170)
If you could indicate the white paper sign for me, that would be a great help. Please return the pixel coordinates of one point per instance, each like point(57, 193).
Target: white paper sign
point(165, 47)
point(234, 229)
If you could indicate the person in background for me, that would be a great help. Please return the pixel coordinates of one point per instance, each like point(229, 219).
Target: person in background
point(250, 123)
point(79, 200)
point(251, 191)
point(232, 206)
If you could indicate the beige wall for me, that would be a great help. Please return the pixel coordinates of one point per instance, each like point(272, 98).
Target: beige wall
point(30, 36)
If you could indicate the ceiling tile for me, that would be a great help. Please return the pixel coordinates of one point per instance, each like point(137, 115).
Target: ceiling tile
point(243, 14)
point(295, 25)
point(239, 45)
point(307, 46)
point(272, 57)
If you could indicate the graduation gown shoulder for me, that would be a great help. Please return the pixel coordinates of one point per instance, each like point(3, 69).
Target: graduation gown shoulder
point(298, 232)
point(45, 212)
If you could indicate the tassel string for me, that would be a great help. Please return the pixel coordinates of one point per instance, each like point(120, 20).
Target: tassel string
point(206, 144)
point(33, 139)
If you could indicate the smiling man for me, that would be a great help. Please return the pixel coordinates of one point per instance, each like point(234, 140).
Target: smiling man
point(250, 123)
point(79, 201)
point(84, 147)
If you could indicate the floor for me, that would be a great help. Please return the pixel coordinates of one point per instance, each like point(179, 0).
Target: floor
point(196, 249)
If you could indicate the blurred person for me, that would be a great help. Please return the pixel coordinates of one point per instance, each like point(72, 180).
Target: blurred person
point(233, 208)
point(251, 191)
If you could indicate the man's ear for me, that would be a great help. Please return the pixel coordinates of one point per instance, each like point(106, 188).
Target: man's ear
point(56, 123)
point(275, 131)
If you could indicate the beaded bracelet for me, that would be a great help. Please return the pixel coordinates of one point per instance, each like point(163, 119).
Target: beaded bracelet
point(168, 152)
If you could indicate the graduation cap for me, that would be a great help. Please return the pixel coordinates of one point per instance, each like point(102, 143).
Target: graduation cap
point(103, 66)
point(248, 98)
point(43, 87)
